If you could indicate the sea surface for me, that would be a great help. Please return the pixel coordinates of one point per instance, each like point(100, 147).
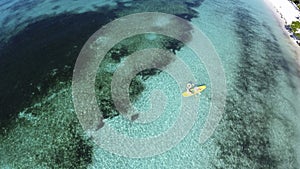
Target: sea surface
point(40, 41)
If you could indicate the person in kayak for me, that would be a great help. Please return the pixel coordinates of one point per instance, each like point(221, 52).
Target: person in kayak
point(190, 87)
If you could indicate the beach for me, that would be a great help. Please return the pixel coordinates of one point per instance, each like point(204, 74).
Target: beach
point(286, 12)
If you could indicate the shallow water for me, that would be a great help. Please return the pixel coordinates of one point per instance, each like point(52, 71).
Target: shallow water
point(259, 126)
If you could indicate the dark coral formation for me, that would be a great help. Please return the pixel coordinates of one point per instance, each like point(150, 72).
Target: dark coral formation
point(246, 139)
point(36, 68)
point(48, 134)
point(114, 56)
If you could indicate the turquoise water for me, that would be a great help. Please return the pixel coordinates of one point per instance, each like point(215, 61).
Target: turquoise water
point(259, 127)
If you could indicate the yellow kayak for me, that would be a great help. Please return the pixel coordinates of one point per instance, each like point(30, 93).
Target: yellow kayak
point(197, 89)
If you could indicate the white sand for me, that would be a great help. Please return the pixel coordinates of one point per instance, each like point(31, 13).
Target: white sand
point(286, 9)
point(286, 12)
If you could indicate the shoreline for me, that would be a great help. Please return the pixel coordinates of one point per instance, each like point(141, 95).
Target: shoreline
point(295, 48)
point(275, 7)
